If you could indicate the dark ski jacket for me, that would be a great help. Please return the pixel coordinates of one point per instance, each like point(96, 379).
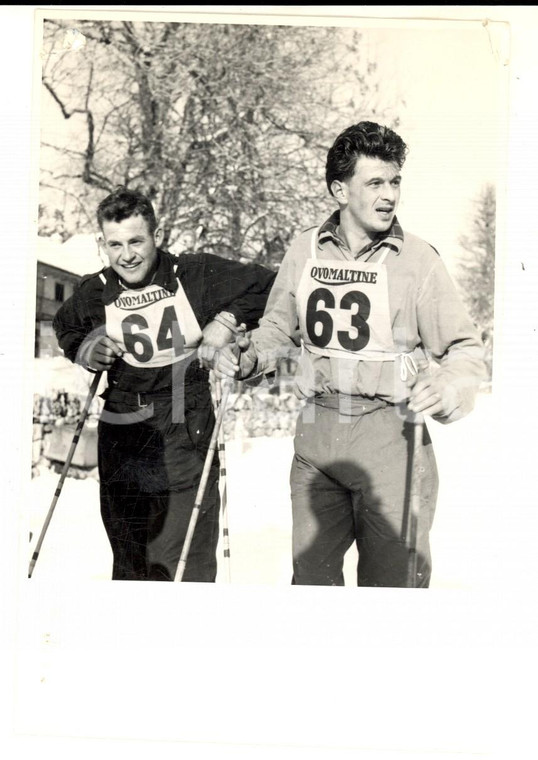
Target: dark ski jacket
point(212, 284)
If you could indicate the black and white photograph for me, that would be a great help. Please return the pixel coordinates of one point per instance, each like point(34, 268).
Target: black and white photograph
point(232, 157)
point(277, 328)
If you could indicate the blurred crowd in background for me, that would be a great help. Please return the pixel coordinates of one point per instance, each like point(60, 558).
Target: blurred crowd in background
point(252, 411)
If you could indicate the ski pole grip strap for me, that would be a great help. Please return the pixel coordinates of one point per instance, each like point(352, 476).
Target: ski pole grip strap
point(229, 324)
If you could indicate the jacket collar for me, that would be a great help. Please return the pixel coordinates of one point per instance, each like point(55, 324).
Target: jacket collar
point(393, 238)
point(165, 276)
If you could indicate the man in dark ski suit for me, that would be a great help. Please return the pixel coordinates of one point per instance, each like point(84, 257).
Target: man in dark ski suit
point(141, 320)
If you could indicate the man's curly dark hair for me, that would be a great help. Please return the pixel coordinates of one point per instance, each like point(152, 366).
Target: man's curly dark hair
point(124, 203)
point(363, 139)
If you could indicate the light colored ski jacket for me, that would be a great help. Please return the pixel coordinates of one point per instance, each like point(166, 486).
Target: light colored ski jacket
point(427, 318)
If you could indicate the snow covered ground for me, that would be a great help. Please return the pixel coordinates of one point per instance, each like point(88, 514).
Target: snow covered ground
point(465, 537)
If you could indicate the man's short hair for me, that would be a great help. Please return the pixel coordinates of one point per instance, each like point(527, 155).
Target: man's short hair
point(124, 203)
point(363, 139)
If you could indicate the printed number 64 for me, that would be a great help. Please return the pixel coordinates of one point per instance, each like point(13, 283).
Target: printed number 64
point(140, 344)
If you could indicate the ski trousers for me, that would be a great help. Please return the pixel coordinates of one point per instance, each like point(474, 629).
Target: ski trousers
point(351, 483)
point(149, 473)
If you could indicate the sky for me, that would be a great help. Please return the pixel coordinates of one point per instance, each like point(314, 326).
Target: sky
point(451, 84)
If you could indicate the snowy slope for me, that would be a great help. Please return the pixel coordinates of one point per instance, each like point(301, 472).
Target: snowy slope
point(465, 538)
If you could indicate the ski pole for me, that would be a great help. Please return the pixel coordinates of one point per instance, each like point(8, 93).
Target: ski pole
point(414, 497)
point(206, 470)
point(224, 494)
point(67, 464)
point(201, 488)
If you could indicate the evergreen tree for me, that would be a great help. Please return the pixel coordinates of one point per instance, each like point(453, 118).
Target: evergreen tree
point(476, 276)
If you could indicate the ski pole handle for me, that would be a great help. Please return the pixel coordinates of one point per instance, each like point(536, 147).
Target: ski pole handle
point(239, 332)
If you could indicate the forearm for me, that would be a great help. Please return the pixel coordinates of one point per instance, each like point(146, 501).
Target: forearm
point(271, 343)
point(77, 333)
point(461, 373)
point(453, 341)
point(75, 343)
point(278, 335)
point(238, 289)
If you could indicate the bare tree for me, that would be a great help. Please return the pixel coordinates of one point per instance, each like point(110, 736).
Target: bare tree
point(476, 276)
point(224, 126)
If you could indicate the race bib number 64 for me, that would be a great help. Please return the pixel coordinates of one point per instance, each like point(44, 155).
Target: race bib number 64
point(154, 326)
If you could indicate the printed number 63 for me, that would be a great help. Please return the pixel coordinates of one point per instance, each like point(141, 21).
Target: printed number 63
point(316, 316)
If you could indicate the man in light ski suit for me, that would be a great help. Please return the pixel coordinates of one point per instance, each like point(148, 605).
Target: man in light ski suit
point(384, 340)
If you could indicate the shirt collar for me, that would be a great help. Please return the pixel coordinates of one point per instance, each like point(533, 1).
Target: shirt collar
point(392, 238)
point(165, 276)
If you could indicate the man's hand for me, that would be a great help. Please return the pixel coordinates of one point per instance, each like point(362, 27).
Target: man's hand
point(430, 395)
point(233, 360)
point(215, 336)
point(102, 353)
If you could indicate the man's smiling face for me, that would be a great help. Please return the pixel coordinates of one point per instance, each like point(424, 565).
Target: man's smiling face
point(369, 198)
point(131, 249)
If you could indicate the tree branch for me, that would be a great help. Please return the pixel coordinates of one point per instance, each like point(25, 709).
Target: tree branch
point(65, 113)
point(307, 137)
point(89, 88)
point(63, 150)
point(71, 195)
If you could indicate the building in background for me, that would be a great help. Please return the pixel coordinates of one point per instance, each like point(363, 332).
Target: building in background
point(59, 269)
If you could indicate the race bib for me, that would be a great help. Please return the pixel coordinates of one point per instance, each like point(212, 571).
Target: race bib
point(344, 309)
point(153, 326)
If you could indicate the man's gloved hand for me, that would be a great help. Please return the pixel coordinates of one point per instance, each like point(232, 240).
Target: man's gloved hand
point(432, 395)
point(215, 336)
point(235, 360)
point(100, 353)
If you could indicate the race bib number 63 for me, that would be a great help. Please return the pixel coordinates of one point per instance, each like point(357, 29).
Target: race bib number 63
point(344, 308)
point(320, 319)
